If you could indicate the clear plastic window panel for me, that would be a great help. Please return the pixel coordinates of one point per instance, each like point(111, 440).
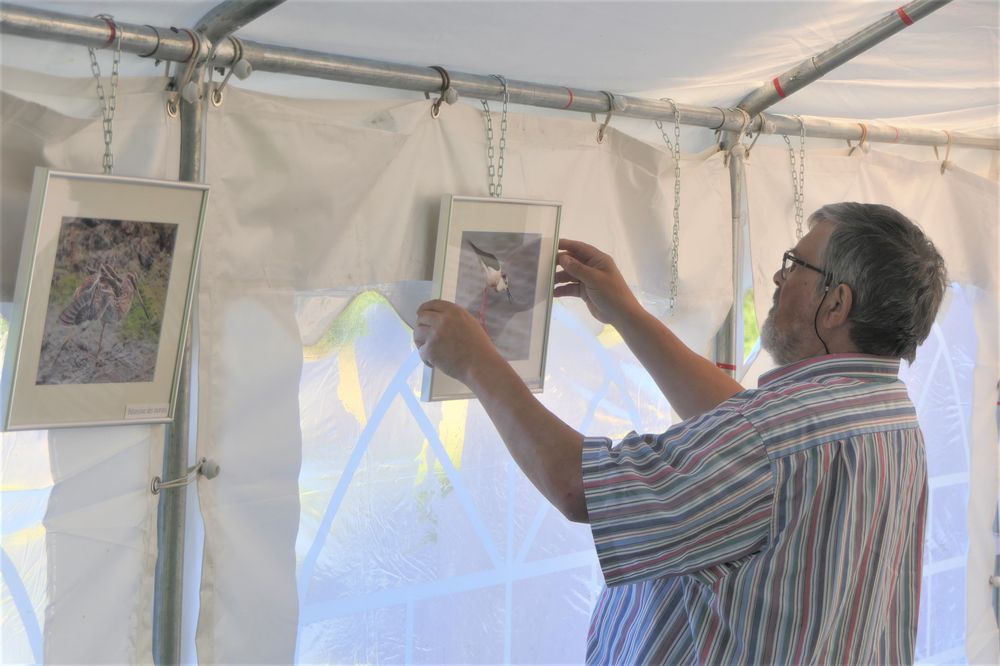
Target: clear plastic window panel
point(940, 385)
point(25, 485)
point(420, 541)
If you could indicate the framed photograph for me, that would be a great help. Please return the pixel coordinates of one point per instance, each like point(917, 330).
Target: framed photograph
point(496, 258)
point(104, 289)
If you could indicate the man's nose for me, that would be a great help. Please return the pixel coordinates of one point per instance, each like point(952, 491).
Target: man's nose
point(777, 277)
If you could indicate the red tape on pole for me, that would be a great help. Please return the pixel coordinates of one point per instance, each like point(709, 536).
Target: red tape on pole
point(777, 86)
point(726, 366)
point(570, 102)
point(194, 42)
point(114, 31)
point(904, 17)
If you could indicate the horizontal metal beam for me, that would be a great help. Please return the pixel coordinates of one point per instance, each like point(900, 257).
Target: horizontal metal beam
point(171, 44)
point(177, 45)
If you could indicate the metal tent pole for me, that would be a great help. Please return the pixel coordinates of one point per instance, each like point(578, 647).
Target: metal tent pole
point(231, 15)
point(813, 68)
point(177, 45)
point(727, 346)
point(168, 597)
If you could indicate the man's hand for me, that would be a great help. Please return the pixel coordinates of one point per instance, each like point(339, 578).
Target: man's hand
point(592, 275)
point(450, 339)
point(692, 384)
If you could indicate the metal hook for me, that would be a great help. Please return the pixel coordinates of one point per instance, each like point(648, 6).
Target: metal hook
point(760, 130)
point(448, 94)
point(155, 48)
point(611, 110)
point(738, 141)
point(947, 151)
point(861, 143)
point(239, 67)
point(187, 88)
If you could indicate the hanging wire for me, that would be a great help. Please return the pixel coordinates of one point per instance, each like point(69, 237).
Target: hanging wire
point(496, 173)
point(108, 104)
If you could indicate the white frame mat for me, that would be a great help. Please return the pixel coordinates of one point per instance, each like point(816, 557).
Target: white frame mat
point(121, 236)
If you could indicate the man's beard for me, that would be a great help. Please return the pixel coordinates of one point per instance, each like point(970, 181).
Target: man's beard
point(774, 343)
point(784, 345)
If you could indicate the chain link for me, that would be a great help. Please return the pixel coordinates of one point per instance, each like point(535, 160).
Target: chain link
point(798, 179)
point(496, 173)
point(108, 105)
point(675, 152)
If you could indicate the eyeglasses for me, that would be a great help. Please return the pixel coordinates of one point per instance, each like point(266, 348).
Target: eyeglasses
point(786, 266)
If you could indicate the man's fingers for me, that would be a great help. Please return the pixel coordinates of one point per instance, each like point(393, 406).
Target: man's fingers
point(422, 352)
point(562, 276)
point(420, 335)
point(571, 289)
point(579, 249)
point(436, 305)
point(574, 267)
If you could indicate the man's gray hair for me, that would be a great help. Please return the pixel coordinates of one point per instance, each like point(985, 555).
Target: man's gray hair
point(896, 276)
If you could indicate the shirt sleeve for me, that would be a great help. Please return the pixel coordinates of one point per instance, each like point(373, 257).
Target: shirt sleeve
point(696, 496)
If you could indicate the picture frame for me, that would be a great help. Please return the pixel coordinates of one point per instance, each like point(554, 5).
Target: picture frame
point(102, 300)
point(497, 257)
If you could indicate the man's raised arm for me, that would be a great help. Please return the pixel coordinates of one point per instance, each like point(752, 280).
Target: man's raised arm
point(691, 383)
point(547, 450)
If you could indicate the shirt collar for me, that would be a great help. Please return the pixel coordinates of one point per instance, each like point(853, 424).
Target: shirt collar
point(856, 366)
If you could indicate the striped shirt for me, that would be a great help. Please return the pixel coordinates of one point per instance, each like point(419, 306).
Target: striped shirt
point(783, 527)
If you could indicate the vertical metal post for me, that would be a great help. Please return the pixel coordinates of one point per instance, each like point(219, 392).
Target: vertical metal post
point(169, 586)
point(168, 598)
point(727, 345)
point(168, 603)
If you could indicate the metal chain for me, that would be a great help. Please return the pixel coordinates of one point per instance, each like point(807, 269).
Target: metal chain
point(798, 180)
point(496, 173)
point(108, 105)
point(675, 152)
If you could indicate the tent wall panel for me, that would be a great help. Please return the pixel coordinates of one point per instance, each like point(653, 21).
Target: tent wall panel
point(314, 203)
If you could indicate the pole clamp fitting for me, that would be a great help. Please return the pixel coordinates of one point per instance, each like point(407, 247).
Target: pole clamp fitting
point(205, 467)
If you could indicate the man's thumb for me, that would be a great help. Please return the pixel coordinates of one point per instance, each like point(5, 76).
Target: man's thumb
point(575, 268)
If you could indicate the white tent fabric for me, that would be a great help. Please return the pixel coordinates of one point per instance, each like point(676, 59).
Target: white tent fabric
point(351, 523)
point(79, 521)
point(393, 162)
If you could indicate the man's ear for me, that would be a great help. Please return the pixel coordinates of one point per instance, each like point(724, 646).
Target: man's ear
point(838, 305)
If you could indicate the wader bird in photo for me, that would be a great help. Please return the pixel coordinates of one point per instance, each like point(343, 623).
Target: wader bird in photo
point(104, 295)
point(496, 278)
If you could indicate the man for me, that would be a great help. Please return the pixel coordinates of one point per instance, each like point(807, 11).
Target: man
point(777, 525)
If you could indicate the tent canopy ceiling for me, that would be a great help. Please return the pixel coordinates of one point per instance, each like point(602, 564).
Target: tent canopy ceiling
point(940, 72)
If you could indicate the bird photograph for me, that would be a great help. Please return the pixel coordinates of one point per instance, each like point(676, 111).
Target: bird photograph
point(106, 302)
point(497, 278)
